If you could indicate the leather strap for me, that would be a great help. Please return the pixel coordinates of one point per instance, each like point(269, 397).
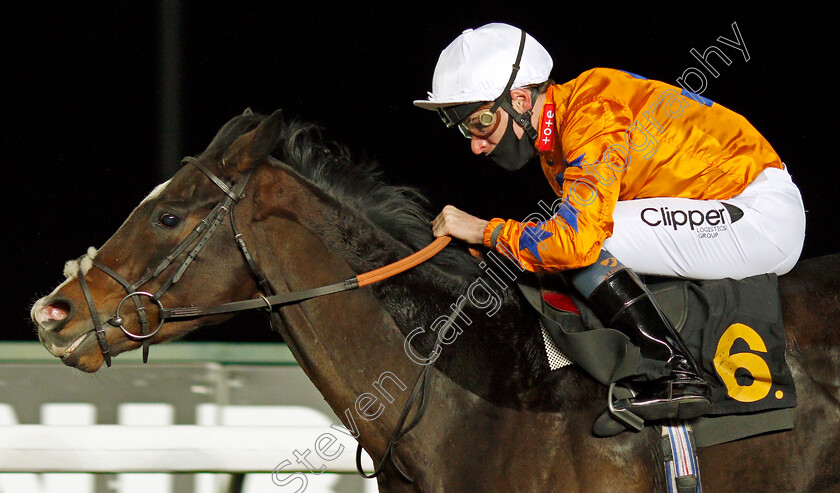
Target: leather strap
point(261, 302)
point(215, 179)
point(420, 388)
point(404, 264)
point(141, 313)
point(258, 273)
point(296, 296)
point(513, 73)
point(97, 322)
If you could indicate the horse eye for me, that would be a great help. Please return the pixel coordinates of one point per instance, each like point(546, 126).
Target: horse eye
point(169, 220)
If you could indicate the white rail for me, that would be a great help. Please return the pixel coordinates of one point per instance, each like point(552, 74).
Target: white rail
point(176, 449)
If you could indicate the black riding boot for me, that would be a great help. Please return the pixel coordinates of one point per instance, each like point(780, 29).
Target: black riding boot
point(673, 385)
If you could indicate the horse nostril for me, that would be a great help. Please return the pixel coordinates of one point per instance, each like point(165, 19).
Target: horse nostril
point(54, 311)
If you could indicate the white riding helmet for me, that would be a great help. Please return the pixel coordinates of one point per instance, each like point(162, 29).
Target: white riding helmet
point(476, 66)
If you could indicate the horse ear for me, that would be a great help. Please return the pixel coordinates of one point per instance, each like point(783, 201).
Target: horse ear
point(266, 136)
point(247, 112)
point(257, 144)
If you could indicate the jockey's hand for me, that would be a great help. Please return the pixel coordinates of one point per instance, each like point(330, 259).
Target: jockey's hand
point(459, 224)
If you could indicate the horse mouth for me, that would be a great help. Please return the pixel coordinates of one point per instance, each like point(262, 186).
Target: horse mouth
point(73, 346)
point(82, 354)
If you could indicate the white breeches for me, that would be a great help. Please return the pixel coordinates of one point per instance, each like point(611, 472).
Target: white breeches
point(701, 239)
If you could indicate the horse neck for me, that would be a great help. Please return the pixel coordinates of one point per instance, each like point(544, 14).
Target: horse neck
point(494, 354)
point(351, 344)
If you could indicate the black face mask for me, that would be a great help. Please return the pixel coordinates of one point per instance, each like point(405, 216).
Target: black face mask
point(512, 153)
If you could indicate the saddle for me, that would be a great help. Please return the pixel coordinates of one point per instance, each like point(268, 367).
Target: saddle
point(733, 328)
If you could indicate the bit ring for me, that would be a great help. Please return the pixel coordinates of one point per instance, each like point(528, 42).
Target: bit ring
point(118, 320)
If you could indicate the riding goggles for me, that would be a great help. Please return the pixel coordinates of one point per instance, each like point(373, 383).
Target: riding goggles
point(479, 125)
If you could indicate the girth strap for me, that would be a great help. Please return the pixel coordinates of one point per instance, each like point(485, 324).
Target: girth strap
point(682, 470)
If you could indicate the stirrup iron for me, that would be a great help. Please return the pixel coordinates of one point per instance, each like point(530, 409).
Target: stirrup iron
point(623, 416)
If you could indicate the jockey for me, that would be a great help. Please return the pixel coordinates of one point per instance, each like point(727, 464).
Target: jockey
point(650, 178)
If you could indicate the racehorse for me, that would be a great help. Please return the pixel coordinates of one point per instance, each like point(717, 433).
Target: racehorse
point(498, 418)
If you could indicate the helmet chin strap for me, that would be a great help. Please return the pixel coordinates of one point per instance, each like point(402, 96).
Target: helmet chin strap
point(504, 101)
point(523, 119)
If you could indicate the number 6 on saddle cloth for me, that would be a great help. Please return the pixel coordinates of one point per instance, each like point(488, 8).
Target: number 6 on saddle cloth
point(733, 328)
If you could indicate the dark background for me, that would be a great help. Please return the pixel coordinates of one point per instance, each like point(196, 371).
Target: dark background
point(82, 104)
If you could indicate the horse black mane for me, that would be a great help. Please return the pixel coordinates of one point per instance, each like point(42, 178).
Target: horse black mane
point(400, 211)
point(508, 352)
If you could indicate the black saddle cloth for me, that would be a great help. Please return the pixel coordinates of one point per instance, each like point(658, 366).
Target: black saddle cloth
point(733, 328)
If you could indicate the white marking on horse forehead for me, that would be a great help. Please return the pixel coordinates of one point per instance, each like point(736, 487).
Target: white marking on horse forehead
point(156, 191)
point(72, 268)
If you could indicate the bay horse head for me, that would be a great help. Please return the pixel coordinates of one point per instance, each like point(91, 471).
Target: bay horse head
point(112, 298)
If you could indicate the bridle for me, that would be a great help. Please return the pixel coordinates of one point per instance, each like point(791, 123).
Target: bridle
point(199, 237)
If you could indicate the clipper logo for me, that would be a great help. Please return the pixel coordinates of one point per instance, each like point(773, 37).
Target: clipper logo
point(707, 224)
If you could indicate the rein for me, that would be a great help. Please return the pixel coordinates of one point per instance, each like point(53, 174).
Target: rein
point(269, 302)
point(200, 235)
